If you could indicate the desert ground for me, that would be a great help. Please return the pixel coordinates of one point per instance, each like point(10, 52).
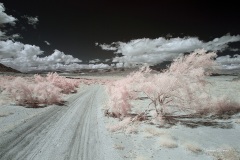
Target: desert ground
point(80, 130)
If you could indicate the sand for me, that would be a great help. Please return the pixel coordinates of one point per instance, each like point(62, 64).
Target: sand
point(56, 132)
point(204, 139)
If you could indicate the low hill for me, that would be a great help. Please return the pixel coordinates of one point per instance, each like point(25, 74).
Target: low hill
point(7, 69)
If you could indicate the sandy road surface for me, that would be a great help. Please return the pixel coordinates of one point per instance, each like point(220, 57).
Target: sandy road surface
point(61, 132)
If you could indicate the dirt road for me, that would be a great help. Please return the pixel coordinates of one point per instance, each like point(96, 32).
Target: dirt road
point(70, 132)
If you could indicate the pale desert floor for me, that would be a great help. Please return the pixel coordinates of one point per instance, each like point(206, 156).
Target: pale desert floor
point(192, 139)
point(77, 130)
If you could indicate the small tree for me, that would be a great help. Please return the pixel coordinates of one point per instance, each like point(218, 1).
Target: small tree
point(181, 87)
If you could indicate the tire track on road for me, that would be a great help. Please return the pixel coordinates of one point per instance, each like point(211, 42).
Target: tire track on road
point(62, 132)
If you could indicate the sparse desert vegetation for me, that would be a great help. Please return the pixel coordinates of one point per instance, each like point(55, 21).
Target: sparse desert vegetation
point(135, 80)
point(193, 147)
point(145, 108)
point(153, 131)
point(178, 90)
point(228, 153)
point(38, 90)
point(179, 95)
point(168, 141)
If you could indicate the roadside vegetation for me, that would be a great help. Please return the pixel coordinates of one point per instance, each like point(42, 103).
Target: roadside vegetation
point(180, 91)
point(38, 91)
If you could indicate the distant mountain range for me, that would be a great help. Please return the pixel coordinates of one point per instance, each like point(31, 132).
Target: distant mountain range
point(7, 69)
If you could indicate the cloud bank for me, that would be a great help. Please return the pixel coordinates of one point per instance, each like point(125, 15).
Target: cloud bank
point(155, 51)
point(228, 62)
point(25, 57)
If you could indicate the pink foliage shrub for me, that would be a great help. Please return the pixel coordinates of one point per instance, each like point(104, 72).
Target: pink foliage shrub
point(181, 87)
point(198, 62)
point(4, 80)
point(119, 100)
point(122, 91)
point(221, 106)
point(120, 125)
point(38, 90)
point(26, 92)
point(66, 85)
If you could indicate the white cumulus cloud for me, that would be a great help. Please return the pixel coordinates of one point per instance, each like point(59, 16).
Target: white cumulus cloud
point(31, 20)
point(60, 57)
point(98, 66)
point(94, 61)
point(4, 18)
point(228, 62)
point(25, 57)
point(154, 51)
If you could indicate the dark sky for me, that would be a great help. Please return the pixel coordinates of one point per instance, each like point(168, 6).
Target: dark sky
point(74, 26)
